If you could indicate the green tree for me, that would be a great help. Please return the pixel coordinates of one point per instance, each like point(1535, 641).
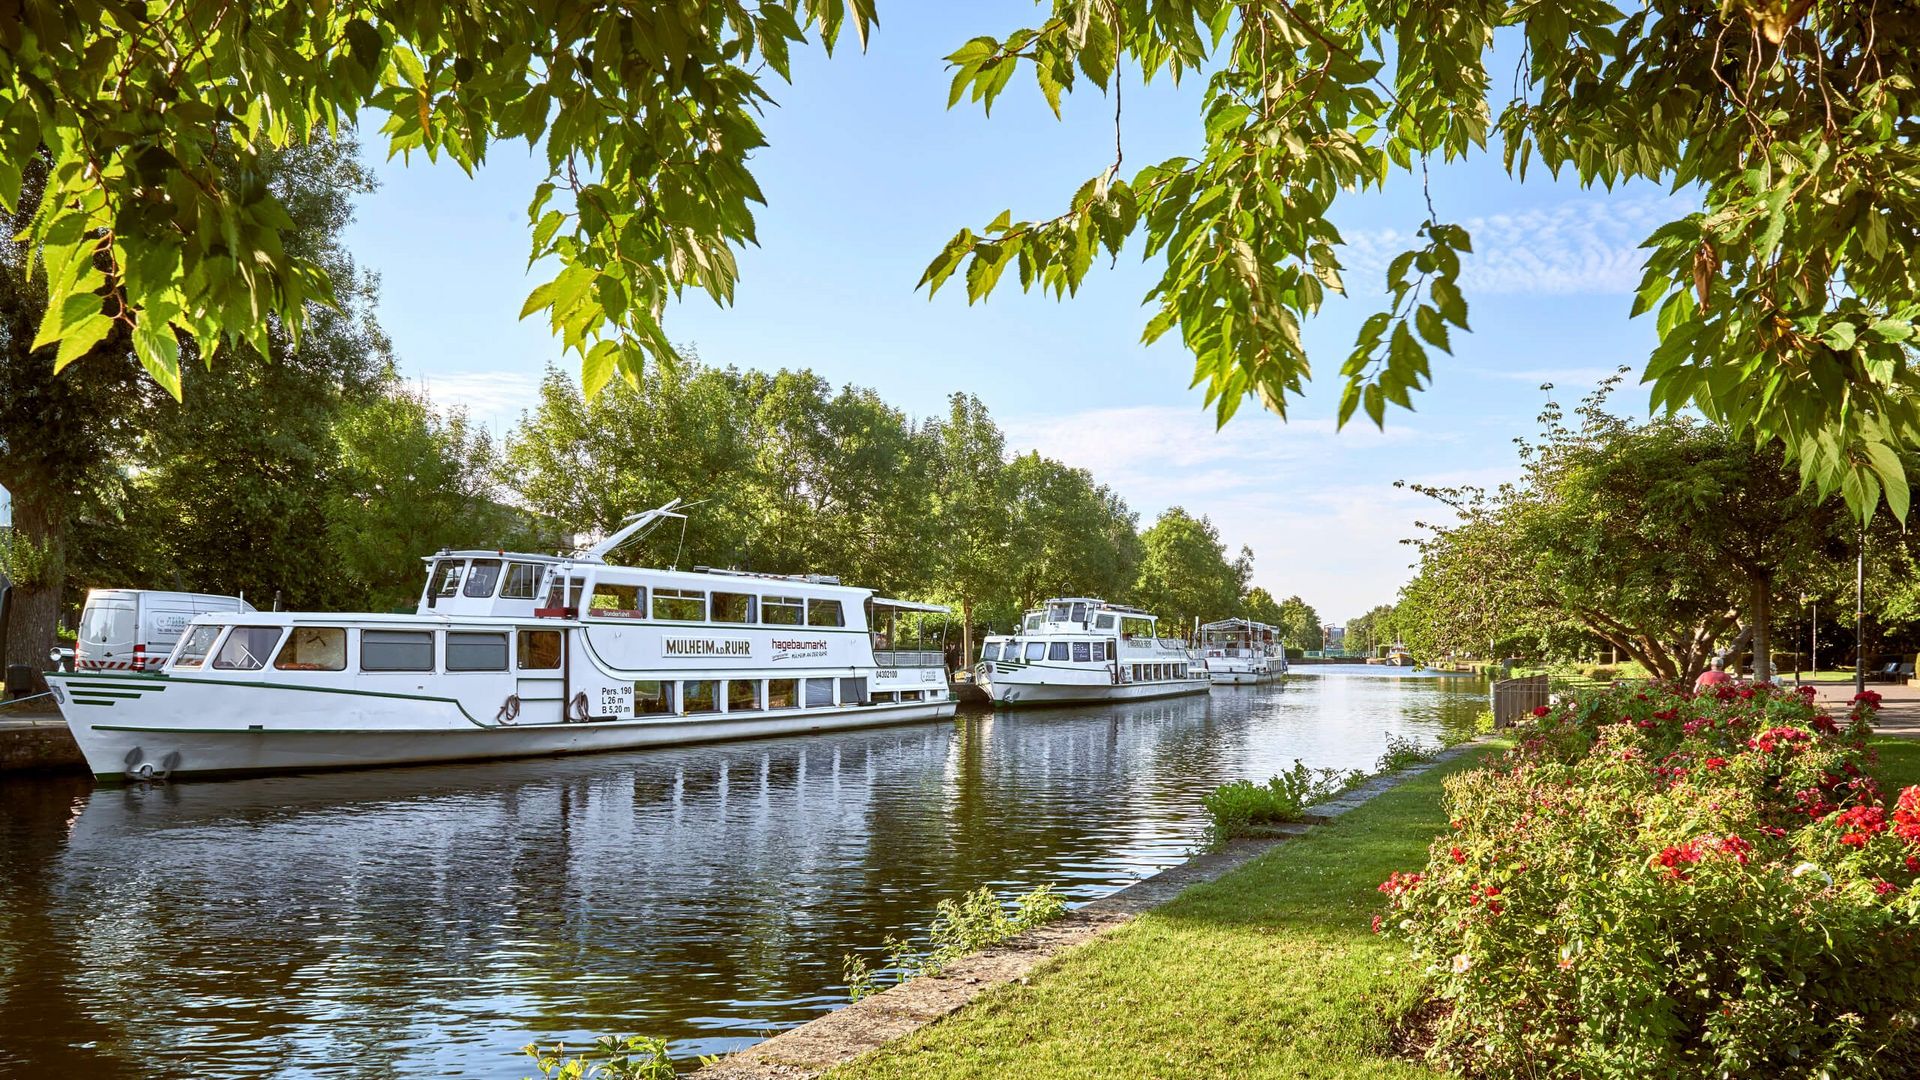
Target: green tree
point(1185, 573)
point(1301, 624)
point(973, 533)
point(412, 480)
point(1260, 606)
point(1377, 627)
point(1786, 304)
point(1073, 537)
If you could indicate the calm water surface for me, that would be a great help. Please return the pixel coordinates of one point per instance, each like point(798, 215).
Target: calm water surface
point(434, 920)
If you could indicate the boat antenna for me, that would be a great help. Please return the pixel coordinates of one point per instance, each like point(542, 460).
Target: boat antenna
point(681, 546)
point(638, 525)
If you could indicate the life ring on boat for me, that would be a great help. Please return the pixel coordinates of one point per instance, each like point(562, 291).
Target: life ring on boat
point(580, 707)
point(509, 711)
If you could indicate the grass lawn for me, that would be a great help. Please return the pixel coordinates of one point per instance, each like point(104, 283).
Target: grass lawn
point(1899, 764)
point(1270, 971)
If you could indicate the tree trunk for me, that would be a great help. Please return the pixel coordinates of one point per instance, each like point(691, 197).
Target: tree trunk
point(1762, 616)
point(40, 542)
point(966, 631)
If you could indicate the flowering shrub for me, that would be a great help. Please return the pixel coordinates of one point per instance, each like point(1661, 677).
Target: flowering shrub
point(1654, 884)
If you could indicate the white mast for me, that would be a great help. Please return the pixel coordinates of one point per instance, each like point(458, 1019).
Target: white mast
point(635, 526)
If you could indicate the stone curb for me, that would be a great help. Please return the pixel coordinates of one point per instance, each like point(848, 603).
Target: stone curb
point(838, 1037)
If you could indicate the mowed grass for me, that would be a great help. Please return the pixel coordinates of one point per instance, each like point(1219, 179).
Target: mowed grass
point(1899, 764)
point(1271, 971)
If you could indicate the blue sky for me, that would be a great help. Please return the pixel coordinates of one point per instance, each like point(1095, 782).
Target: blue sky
point(868, 174)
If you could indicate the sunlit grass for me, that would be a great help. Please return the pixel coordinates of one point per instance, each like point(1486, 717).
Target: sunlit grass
point(1271, 971)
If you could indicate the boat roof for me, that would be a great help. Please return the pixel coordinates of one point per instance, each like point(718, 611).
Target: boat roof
point(910, 605)
point(1103, 605)
point(1237, 623)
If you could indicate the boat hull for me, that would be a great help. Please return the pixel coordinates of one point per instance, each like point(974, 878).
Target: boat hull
point(158, 727)
point(1026, 695)
point(1246, 678)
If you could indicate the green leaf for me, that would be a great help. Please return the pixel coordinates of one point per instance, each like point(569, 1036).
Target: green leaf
point(159, 353)
point(1432, 327)
point(80, 338)
point(597, 367)
point(1839, 336)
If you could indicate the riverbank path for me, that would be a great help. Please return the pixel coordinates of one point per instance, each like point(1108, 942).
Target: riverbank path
point(1899, 705)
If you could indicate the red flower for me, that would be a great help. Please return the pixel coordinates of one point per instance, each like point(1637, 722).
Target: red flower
point(1855, 839)
point(1376, 924)
point(1716, 763)
point(1913, 864)
point(1676, 856)
point(1457, 855)
point(1398, 884)
point(1884, 887)
point(1736, 847)
point(1541, 710)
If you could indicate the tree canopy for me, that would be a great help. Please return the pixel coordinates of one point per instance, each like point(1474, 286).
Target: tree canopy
point(1786, 304)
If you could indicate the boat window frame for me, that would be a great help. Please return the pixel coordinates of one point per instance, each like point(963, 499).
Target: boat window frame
point(437, 582)
point(1059, 650)
point(770, 604)
point(674, 595)
point(493, 587)
point(506, 650)
point(178, 659)
point(753, 608)
point(807, 694)
point(838, 608)
point(1083, 652)
point(360, 659)
point(614, 614)
point(534, 571)
point(793, 695)
point(1103, 621)
point(713, 697)
point(759, 696)
point(1099, 652)
point(659, 703)
point(264, 656)
point(520, 636)
point(985, 656)
point(287, 645)
point(1036, 651)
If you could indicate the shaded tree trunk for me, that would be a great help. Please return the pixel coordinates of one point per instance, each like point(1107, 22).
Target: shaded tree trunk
point(1761, 601)
point(966, 631)
point(39, 540)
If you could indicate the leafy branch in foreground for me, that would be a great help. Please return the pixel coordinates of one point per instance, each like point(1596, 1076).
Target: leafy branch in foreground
point(157, 120)
point(1786, 305)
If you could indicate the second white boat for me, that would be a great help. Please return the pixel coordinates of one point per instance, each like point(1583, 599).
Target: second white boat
point(1083, 649)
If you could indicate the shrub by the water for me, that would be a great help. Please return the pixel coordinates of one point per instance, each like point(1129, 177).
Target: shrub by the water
point(1654, 884)
point(613, 1057)
point(960, 927)
point(1235, 806)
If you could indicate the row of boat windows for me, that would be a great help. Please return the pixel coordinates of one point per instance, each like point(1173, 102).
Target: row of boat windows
point(615, 601)
point(481, 577)
point(689, 696)
point(324, 648)
point(1077, 613)
point(1081, 652)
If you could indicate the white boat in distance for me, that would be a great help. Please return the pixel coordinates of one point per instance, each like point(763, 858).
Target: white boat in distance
point(514, 655)
point(1242, 652)
point(1079, 649)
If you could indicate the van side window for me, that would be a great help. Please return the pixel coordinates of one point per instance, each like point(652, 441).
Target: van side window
point(314, 648)
point(482, 577)
point(396, 650)
point(523, 580)
point(825, 613)
point(247, 648)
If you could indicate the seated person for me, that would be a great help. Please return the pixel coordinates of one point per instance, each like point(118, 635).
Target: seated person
point(1715, 675)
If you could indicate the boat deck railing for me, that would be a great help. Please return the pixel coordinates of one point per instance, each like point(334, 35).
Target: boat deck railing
point(909, 658)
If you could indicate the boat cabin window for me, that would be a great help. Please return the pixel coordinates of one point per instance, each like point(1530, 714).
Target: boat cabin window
point(195, 646)
point(1011, 650)
point(853, 691)
point(825, 613)
point(482, 576)
point(782, 610)
point(652, 698)
point(1137, 628)
point(699, 696)
point(683, 605)
point(1081, 653)
point(743, 695)
point(1058, 612)
point(476, 652)
point(783, 693)
point(1103, 622)
point(1079, 613)
point(538, 650)
point(446, 578)
point(1033, 623)
point(734, 607)
point(1036, 650)
point(611, 601)
point(396, 650)
point(314, 648)
point(1099, 652)
point(523, 581)
point(1057, 651)
point(247, 648)
point(819, 693)
point(990, 651)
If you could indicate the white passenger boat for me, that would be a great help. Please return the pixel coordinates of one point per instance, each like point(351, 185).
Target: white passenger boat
point(1242, 652)
point(512, 655)
point(1077, 649)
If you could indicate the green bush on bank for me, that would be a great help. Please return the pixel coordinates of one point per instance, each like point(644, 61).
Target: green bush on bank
point(960, 927)
point(613, 1057)
point(1652, 884)
point(1239, 807)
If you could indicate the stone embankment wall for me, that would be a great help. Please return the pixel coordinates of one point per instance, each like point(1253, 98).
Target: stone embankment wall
point(37, 742)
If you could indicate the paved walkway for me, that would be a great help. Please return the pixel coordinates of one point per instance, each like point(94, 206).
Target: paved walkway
point(1899, 705)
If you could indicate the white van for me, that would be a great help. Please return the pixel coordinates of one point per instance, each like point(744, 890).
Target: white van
point(136, 629)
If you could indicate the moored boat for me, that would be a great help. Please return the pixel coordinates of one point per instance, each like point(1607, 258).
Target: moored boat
point(1242, 652)
point(513, 655)
point(1081, 649)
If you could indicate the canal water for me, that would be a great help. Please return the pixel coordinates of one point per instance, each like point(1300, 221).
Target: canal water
point(431, 921)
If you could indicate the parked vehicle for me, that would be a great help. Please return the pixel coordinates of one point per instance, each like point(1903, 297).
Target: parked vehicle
point(135, 629)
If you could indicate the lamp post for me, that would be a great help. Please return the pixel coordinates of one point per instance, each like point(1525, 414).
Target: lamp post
point(1860, 617)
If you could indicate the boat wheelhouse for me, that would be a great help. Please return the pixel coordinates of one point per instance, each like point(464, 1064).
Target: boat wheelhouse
point(511, 654)
point(1079, 649)
point(1242, 652)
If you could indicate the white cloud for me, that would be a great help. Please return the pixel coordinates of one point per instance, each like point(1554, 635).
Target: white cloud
point(1579, 247)
point(494, 399)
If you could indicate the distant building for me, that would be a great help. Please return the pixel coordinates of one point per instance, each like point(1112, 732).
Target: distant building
point(1333, 638)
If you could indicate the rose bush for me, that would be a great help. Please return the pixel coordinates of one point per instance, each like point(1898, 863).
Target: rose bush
point(1656, 884)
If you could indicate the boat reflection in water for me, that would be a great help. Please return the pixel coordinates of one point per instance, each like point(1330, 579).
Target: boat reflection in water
point(433, 920)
